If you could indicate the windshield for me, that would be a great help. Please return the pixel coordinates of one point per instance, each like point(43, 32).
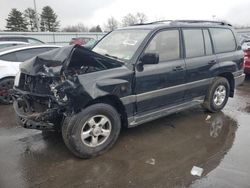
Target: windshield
point(121, 44)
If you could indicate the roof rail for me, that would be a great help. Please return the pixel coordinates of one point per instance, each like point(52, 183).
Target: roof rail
point(203, 21)
point(186, 21)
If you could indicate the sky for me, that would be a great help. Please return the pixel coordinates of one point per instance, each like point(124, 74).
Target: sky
point(96, 12)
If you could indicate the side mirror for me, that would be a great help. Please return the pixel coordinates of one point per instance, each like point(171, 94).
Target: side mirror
point(150, 58)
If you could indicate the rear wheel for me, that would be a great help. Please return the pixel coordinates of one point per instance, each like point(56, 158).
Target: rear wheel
point(217, 95)
point(92, 131)
point(5, 85)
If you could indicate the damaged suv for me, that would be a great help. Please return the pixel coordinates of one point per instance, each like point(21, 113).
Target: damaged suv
point(132, 76)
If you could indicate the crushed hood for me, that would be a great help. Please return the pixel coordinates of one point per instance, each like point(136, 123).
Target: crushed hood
point(53, 62)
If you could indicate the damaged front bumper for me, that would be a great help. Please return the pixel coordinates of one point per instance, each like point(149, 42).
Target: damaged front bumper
point(31, 118)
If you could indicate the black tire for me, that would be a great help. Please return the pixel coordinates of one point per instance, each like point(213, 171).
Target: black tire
point(72, 128)
point(209, 103)
point(5, 85)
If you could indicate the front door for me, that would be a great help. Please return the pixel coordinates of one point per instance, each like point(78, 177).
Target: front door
point(161, 85)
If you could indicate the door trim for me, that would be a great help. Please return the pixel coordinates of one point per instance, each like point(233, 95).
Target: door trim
point(165, 91)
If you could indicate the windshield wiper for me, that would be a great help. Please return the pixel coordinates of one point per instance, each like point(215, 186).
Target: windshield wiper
point(111, 56)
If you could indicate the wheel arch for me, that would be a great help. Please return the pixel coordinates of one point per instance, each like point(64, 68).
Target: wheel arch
point(7, 77)
point(115, 102)
point(230, 78)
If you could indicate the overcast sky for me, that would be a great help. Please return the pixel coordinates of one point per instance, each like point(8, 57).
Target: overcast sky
point(97, 12)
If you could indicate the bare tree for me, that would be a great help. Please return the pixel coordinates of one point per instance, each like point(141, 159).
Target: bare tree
point(129, 19)
point(80, 27)
point(141, 17)
point(111, 24)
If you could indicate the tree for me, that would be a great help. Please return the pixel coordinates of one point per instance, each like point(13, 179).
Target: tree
point(80, 27)
point(49, 20)
point(30, 16)
point(16, 21)
point(128, 20)
point(111, 24)
point(131, 19)
point(141, 17)
point(96, 29)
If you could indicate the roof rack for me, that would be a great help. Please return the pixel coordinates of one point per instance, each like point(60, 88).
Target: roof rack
point(187, 21)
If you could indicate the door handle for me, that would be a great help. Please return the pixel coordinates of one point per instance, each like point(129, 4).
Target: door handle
point(212, 62)
point(178, 68)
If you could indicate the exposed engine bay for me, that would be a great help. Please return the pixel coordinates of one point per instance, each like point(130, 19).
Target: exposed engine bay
point(48, 87)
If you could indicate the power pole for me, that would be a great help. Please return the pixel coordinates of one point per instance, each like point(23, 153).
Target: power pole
point(37, 20)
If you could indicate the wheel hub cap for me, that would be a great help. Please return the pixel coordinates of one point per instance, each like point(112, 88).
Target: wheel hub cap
point(219, 95)
point(96, 130)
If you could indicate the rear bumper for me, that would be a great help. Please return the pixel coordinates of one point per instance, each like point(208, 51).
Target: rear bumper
point(239, 79)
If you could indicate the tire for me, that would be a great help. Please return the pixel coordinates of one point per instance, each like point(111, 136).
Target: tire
point(214, 100)
point(5, 85)
point(88, 124)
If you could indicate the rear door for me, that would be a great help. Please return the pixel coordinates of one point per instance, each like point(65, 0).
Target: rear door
point(200, 61)
point(230, 58)
point(160, 85)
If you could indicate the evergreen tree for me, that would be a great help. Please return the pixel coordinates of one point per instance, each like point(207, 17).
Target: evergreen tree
point(16, 21)
point(96, 29)
point(49, 20)
point(30, 16)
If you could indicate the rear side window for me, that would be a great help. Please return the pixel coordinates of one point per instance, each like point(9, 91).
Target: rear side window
point(166, 44)
point(9, 57)
point(24, 55)
point(223, 39)
point(194, 44)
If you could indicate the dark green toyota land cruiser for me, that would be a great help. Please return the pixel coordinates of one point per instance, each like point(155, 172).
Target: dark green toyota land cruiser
point(132, 76)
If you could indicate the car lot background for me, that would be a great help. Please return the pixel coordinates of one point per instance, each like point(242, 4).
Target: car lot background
point(63, 38)
point(58, 38)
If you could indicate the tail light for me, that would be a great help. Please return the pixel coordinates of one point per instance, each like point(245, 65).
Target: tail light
point(246, 58)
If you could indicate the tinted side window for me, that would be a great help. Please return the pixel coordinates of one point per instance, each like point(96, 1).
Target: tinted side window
point(9, 57)
point(166, 44)
point(24, 55)
point(194, 44)
point(224, 40)
point(208, 44)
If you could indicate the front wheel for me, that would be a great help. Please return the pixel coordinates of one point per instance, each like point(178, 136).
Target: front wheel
point(92, 131)
point(217, 95)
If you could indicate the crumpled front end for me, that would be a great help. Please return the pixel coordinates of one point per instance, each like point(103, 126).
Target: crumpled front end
point(42, 102)
point(48, 89)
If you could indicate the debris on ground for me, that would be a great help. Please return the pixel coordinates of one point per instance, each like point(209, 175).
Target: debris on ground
point(150, 161)
point(208, 117)
point(197, 171)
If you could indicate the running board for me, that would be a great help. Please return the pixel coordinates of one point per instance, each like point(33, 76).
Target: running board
point(153, 115)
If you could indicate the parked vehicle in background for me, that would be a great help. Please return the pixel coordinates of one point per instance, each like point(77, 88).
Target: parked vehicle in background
point(7, 44)
point(10, 58)
point(90, 44)
point(29, 40)
point(246, 49)
point(80, 40)
point(133, 75)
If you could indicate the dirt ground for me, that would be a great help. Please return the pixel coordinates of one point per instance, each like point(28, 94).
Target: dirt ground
point(157, 154)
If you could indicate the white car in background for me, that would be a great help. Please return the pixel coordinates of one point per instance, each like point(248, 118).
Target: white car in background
point(10, 58)
point(7, 44)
